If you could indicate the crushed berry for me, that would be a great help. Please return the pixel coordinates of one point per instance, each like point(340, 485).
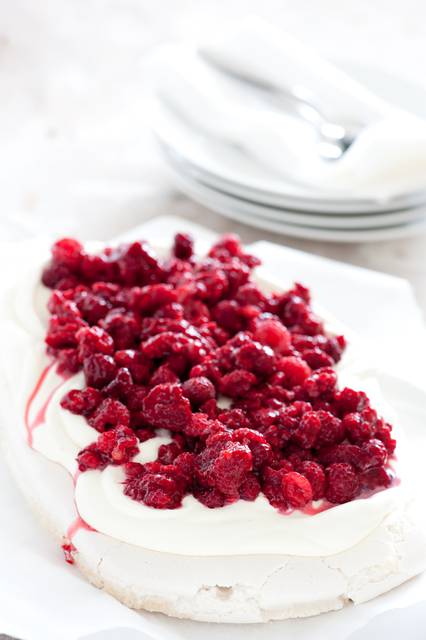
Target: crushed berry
point(165, 407)
point(161, 344)
point(116, 446)
point(82, 402)
point(108, 414)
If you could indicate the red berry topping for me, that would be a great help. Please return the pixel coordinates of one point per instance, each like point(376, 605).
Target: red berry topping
point(162, 340)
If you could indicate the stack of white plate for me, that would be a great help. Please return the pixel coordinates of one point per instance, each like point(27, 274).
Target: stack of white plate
point(223, 178)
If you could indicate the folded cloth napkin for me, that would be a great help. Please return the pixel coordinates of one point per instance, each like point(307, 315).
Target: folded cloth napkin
point(387, 158)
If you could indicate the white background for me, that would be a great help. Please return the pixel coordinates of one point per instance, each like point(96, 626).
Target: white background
point(75, 153)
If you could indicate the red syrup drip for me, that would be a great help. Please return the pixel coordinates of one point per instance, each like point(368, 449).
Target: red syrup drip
point(39, 419)
point(68, 547)
point(78, 524)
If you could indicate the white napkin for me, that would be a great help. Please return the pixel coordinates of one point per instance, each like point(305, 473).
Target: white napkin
point(388, 157)
point(42, 598)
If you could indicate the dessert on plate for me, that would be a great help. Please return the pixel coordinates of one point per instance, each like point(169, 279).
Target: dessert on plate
point(199, 439)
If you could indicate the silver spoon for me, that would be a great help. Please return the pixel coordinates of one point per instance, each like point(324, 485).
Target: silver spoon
point(334, 138)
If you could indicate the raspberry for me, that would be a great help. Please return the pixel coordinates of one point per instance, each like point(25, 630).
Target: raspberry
point(317, 359)
point(116, 446)
point(383, 432)
point(207, 369)
point(230, 469)
point(348, 453)
point(62, 332)
point(357, 429)
point(260, 448)
point(137, 265)
point(375, 477)
point(144, 434)
point(227, 315)
point(270, 332)
point(308, 430)
point(183, 246)
point(223, 465)
point(234, 419)
point(249, 488)
point(296, 371)
point(120, 386)
point(155, 490)
point(272, 486)
point(250, 294)
point(350, 401)
point(68, 361)
point(93, 340)
point(297, 489)
point(96, 268)
point(201, 426)
point(108, 414)
point(152, 297)
point(196, 312)
point(53, 274)
point(60, 305)
point(99, 370)
point(93, 307)
point(316, 476)
point(237, 383)
point(375, 452)
point(164, 374)
point(210, 408)
point(138, 365)
point(120, 444)
point(67, 252)
point(82, 402)
point(165, 407)
point(124, 328)
point(209, 497)
point(168, 452)
point(211, 285)
point(331, 431)
point(321, 384)
point(257, 358)
point(198, 390)
point(342, 483)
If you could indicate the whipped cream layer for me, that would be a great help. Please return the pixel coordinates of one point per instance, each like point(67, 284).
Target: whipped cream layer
point(238, 529)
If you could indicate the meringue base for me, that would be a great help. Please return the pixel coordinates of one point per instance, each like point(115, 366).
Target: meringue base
point(238, 589)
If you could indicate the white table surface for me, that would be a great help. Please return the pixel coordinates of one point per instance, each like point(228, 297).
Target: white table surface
point(75, 153)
